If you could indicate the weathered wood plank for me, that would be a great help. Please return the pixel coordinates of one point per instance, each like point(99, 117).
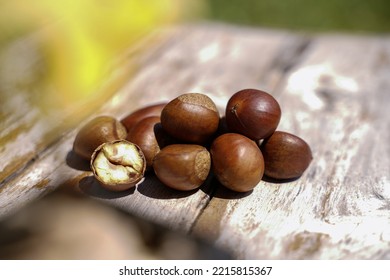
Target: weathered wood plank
point(337, 100)
point(185, 63)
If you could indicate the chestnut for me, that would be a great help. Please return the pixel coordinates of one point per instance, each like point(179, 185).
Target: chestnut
point(191, 117)
point(118, 165)
point(147, 135)
point(149, 111)
point(253, 113)
point(96, 132)
point(286, 156)
point(237, 162)
point(182, 166)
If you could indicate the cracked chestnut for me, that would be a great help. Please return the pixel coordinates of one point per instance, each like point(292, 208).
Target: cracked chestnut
point(118, 165)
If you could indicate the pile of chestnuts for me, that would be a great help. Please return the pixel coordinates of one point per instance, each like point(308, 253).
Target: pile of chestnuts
point(185, 140)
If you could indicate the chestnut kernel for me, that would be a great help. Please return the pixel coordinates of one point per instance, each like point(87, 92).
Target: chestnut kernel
point(143, 134)
point(118, 165)
point(182, 166)
point(237, 162)
point(191, 117)
point(286, 156)
point(149, 111)
point(253, 113)
point(96, 132)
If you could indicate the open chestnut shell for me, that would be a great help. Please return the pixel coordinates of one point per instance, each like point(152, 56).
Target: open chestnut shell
point(118, 165)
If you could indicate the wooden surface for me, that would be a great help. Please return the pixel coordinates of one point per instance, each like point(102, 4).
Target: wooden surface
point(334, 93)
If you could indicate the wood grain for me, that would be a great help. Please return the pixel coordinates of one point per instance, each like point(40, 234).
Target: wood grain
point(333, 91)
point(335, 99)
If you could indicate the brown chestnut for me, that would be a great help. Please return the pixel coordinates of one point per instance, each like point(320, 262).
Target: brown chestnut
point(191, 117)
point(143, 134)
point(118, 165)
point(237, 162)
point(149, 111)
point(286, 156)
point(96, 132)
point(253, 113)
point(182, 166)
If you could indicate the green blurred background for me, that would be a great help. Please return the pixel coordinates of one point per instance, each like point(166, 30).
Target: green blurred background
point(367, 16)
point(362, 16)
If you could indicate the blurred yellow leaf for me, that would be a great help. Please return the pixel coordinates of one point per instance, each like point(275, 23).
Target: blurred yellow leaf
point(81, 37)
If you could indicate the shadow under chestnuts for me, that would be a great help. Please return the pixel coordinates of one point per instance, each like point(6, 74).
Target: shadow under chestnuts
point(185, 141)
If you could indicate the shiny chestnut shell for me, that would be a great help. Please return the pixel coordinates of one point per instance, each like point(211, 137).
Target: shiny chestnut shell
point(149, 111)
point(182, 166)
point(286, 156)
point(143, 134)
point(237, 162)
point(253, 113)
point(191, 117)
point(150, 137)
point(96, 132)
